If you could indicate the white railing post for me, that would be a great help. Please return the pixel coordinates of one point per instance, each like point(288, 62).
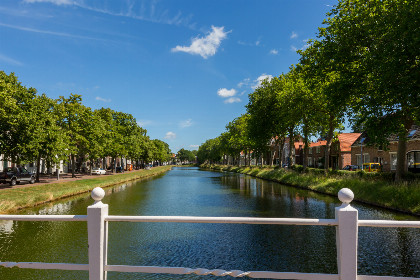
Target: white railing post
point(97, 235)
point(347, 235)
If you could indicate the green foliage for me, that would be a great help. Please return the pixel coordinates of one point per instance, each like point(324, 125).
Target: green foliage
point(15, 103)
point(364, 65)
point(185, 155)
point(15, 199)
point(370, 189)
point(372, 47)
point(34, 126)
point(210, 151)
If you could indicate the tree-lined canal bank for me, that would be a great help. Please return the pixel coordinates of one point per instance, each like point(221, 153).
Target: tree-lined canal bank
point(193, 192)
point(403, 197)
point(29, 196)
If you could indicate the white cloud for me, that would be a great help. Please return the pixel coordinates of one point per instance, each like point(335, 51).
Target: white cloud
point(294, 35)
point(244, 82)
point(144, 123)
point(103, 99)
point(232, 100)
point(274, 51)
point(149, 12)
point(260, 79)
point(56, 2)
point(170, 135)
point(304, 47)
point(306, 44)
point(250, 44)
point(194, 146)
point(186, 123)
point(206, 46)
point(49, 32)
point(224, 92)
point(9, 60)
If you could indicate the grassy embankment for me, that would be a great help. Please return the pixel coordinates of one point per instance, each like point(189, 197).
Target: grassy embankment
point(29, 196)
point(368, 188)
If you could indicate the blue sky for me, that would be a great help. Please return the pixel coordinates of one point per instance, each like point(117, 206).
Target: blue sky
point(183, 69)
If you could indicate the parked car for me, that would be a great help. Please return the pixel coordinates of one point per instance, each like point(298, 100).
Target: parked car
point(351, 167)
point(98, 171)
point(372, 167)
point(16, 175)
point(119, 169)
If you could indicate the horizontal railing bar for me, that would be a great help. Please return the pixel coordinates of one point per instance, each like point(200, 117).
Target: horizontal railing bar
point(371, 277)
point(69, 218)
point(223, 220)
point(388, 223)
point(221, 272)
point(38, 265)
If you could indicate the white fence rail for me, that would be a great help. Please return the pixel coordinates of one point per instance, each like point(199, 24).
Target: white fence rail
point(346, 222)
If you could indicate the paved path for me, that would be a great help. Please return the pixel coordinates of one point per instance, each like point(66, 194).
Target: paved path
point(50, 179)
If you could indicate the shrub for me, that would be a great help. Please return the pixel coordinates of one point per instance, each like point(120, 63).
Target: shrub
point(297, 168)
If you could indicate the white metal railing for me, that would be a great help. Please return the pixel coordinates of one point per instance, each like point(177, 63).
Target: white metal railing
point(346, 222)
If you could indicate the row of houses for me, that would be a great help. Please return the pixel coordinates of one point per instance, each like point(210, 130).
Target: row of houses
point(348, 149)
point(82, 166)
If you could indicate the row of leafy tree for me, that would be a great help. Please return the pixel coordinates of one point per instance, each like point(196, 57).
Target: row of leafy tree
point(363, 66)
point(35, 127)
point(186, 156)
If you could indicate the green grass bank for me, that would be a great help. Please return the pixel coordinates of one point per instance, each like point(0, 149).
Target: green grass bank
point(373, 189)
point(15, 199)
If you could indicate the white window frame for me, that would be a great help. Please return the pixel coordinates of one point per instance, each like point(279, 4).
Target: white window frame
point(366, 159)
point(391, 163)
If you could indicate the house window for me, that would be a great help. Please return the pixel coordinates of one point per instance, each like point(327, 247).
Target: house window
point(366, 158)
point(413, 161)
point(310, 161)
point(393, 160)
point(318, 149)
point(310, 151)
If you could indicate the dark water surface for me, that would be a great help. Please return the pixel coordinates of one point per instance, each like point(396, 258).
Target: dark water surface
point(193, 192)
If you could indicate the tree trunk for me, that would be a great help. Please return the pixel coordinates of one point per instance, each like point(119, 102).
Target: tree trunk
point(73, 166)
point(402, 148)
point(281, 147)
point(91, 167)
point(328, 146)
point(38, 167)
point(291, 146)
point(305, 146)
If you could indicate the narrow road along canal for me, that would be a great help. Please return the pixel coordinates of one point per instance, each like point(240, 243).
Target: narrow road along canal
point(194, 192)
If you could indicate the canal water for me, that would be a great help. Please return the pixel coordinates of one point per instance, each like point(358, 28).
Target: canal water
point(194, 192)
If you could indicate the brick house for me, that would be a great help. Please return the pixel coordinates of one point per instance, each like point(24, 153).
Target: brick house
point(316, 154)
point(388, 157)
point(340, 154)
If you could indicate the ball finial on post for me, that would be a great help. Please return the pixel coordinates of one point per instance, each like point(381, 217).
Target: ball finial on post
point(345, 195)
point(97, 194)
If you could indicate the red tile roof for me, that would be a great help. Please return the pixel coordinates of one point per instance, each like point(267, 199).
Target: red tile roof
point(346, 140)
point(319, 143)
point(297, 144)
